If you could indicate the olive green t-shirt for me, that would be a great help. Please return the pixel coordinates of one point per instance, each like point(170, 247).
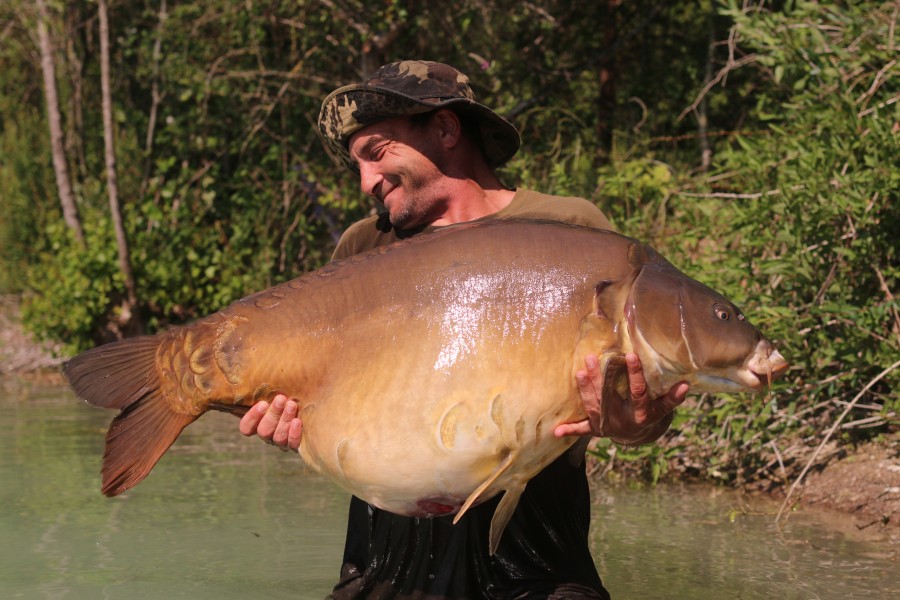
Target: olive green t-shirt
point(526, 204)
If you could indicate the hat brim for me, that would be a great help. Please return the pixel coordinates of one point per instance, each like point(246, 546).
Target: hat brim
point(350, 108)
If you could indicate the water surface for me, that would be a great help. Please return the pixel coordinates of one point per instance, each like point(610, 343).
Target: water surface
point(224, 517)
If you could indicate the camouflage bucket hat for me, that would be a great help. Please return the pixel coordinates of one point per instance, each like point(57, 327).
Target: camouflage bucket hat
point(411, 87)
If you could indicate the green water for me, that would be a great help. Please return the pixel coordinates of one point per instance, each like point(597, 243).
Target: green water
point(225, 517)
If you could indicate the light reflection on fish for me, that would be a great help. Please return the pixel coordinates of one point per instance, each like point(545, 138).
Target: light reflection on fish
point(430, 373)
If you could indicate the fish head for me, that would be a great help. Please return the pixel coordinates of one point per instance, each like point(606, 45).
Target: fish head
point(685, 331)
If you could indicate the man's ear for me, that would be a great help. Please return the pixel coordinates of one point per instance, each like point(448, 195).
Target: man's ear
point(449, 127)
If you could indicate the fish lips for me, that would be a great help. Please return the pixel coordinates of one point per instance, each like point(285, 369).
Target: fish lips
point(761, 368)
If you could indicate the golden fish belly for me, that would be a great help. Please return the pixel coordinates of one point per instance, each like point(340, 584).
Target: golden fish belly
point(419, 449)
point(427, 417)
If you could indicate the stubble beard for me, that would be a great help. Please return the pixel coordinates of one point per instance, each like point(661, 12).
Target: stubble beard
point(402, 216)
point(416, 208)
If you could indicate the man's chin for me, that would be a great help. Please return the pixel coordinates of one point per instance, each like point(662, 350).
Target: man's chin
point(400, 219)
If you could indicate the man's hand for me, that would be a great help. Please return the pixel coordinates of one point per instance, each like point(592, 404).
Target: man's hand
point(640, 420)
point(276, 424)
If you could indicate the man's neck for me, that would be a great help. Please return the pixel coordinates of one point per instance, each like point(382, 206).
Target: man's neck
point(469, 187)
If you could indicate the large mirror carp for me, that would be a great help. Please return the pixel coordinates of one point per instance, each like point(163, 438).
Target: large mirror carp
point(432, 372)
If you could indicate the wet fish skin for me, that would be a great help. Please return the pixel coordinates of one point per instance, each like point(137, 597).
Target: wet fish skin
point(431, 373)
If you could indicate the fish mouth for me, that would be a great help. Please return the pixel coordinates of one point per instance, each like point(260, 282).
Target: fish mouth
point(763, 367)
point(767, 364)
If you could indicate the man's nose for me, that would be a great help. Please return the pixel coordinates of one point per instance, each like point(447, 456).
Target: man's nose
point(370, 180)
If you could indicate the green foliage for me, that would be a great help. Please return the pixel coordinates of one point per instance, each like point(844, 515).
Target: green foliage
point(86, 284)
point(24, 166)
point(797, 222)
point(24, 173)
point(224, 184)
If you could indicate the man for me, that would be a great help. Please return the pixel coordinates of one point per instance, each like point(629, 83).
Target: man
point(426, 151)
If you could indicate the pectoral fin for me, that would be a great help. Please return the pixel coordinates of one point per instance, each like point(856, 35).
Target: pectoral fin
point(614, 380)
point(473, 497)
point(615, 373)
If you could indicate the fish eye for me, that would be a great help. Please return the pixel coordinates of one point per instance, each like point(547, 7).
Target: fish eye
point(722, 313)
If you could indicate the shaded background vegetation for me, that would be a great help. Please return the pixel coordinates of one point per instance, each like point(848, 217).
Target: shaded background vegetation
point(755, 145)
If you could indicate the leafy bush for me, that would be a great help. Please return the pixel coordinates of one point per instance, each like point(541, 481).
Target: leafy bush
point(797, 222)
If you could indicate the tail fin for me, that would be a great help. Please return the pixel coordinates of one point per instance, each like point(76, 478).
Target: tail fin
point(123, 375)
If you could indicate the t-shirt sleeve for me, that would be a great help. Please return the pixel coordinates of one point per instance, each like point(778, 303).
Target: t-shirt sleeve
point(359, 237)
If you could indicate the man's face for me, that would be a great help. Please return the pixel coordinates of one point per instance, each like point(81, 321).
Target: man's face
point(399, 167)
